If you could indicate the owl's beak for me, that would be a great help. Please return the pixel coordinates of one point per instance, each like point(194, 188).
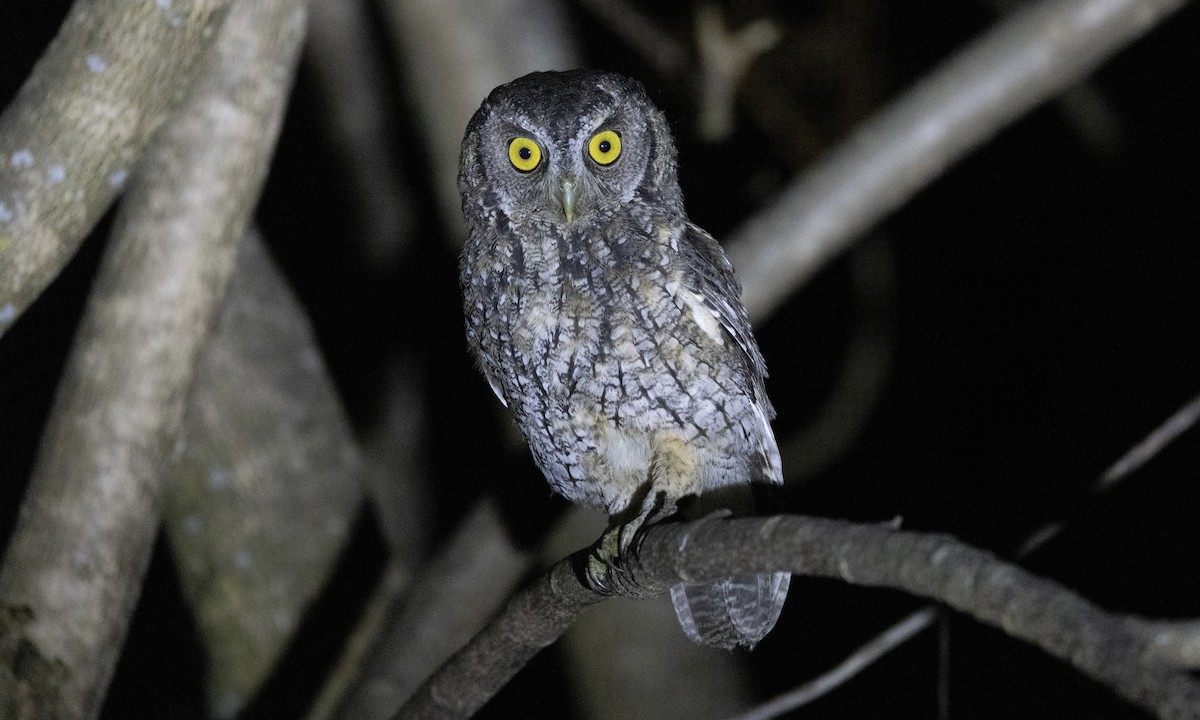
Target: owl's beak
point(567, 195)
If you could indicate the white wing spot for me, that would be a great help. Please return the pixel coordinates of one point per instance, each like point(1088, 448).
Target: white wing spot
point(704, 316)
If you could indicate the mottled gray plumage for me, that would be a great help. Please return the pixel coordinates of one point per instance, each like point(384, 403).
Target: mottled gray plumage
point(609, 324)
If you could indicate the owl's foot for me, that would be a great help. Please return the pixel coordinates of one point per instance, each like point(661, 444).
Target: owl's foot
point(607, 565)
point(603, 564)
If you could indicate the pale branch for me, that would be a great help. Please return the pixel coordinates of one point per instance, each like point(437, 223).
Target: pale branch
point(463, 584)
point(1027, 58)
point(1180, 422)
point(352, 87)
point(453, 53)
point(972, 581)
point(254, 540)
point(73, 569)
point(724, 57)
point(72, 136)
point(1177, 642)
point(1083, 105)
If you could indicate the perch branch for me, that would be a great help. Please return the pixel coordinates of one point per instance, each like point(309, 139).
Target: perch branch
point(1177, 643)
point(72, 573)
point(1025, 59)
point(74, 132)
point(972, 581)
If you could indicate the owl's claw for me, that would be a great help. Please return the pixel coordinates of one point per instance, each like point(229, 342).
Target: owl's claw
point(607, 565)
point(603, 561)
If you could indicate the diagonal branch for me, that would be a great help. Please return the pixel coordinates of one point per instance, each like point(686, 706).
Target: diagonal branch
point(76, 129)
point(1024, 60)
point(1104, 646)
point(72, 571)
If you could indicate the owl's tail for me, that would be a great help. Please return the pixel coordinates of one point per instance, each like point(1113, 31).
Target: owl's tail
point(735, 611)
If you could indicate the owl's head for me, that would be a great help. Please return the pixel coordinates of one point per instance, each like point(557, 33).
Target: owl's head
point(564, 147)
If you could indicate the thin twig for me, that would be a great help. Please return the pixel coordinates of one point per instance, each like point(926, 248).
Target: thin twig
point(1176, 642)
point(1137, 456)
point(854, 663)
point(1179, 422)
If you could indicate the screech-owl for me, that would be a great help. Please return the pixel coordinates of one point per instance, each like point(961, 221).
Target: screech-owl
point(610, 325)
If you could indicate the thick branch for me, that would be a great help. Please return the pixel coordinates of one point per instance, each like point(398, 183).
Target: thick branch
point(253, 539)
point(972, 581)
point(1027, 58)
point(1176, 642)
point(70, 139)
point(73, 570)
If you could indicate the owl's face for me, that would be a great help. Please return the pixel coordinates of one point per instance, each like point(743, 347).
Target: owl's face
point(565, 147)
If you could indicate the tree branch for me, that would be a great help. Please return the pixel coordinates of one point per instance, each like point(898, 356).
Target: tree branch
point(352, 85)
point(973, 581)
point(1025, 59)
point(253, 539)
point(73, 569)
point(70, 139)
point(462, 585)
point(453, 53)
point(883, 643)
point(1176, 642)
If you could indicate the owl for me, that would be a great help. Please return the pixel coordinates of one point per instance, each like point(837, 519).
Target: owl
point(611, 326)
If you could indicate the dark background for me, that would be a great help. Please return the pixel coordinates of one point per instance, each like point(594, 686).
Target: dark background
point(1044, 319)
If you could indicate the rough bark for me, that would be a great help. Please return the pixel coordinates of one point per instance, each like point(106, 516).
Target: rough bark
point(975, 582)
point(70, 139)
point(72, 573)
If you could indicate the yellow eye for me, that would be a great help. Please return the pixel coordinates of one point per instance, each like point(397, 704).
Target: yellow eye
point(605, 147)
point(524, 154)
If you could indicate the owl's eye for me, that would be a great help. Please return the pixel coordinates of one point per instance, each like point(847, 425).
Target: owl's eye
point(524, 154)
point(605, 147)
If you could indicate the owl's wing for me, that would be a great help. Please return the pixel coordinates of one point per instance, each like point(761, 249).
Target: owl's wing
point(714, 279)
